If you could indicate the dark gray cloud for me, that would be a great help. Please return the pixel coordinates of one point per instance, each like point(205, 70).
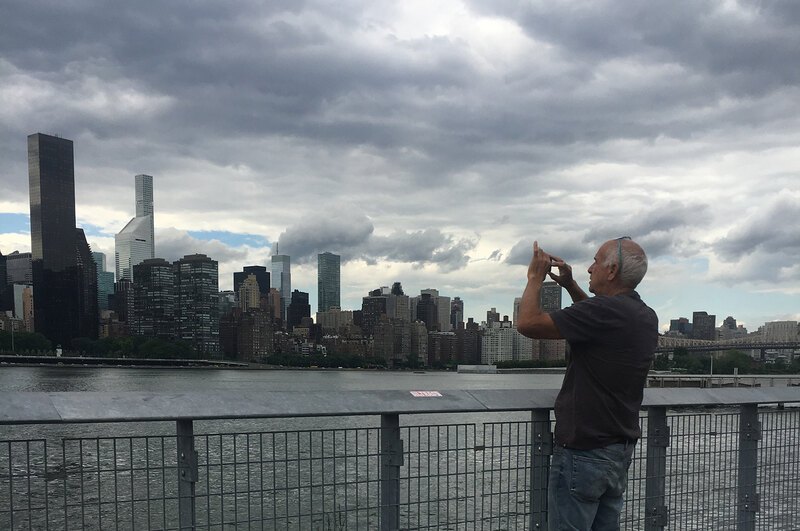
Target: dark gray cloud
point(740, 48)
point(772, 230)
point(660, 229)
point(341, 233)
point(352, 237)
point(299, 70)
point(173, 244)
point(574, 253)
point(665, 121)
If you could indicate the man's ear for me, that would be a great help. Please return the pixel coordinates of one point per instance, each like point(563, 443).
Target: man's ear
point(612, 272)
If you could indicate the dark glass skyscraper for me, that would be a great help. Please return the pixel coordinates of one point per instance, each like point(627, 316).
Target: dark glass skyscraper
point(297, 309)
point(328, 281)
point(153, 299)
point(196, 303)
point(60, 258)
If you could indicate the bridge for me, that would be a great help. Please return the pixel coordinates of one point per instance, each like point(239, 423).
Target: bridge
point(669, 344)
point(708, 459)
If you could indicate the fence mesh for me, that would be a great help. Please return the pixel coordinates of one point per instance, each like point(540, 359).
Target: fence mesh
point(454, 476)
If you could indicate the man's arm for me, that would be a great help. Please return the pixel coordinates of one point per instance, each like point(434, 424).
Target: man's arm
point(533, 321)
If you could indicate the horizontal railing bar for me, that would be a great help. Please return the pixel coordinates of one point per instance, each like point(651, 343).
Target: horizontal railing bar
point(20, 407)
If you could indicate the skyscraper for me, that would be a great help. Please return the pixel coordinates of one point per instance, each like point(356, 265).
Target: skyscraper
point(196, 305)
point(18, 268)
point(153, 289)
point(282, 279)
point(136, 241)
point(298, 309)
point(64, 275)
point(550, 296)
point(328, 281)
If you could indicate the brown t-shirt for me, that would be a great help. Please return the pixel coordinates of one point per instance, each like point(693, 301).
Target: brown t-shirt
point(612, 341)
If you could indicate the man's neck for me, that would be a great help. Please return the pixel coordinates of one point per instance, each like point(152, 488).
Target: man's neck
point(615, 290)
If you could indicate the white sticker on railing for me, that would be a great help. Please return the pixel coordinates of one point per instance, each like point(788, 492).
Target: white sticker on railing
point(423, 394)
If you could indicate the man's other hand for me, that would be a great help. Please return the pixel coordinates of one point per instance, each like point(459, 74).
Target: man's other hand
point(564, 276)
point(540, 264)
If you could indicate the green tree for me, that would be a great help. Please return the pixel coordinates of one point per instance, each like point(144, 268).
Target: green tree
point(661, 362)
point(24, 342)
point(683, 359)
point(733, 359)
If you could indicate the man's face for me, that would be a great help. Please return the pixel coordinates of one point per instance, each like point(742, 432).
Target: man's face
point(599, 273)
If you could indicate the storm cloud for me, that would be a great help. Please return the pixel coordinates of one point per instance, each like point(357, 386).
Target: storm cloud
point(424, 138)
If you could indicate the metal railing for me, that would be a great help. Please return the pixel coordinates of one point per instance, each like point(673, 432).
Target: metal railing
point(732, 466)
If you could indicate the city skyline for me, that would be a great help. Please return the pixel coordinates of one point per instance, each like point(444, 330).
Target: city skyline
point(429, 143)
point(281, 263)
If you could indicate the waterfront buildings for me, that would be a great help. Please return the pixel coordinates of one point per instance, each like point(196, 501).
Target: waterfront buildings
point(498, 342)
point(63, 271)
point(136, 241)
point(704, 326)
point(328, 281)
point(335, 320)
point(780, 331)
point(680, 327)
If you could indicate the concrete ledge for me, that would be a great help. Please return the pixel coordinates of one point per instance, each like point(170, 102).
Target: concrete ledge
point(79, 407)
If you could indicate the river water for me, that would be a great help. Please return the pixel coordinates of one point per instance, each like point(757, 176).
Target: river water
point(180, 380)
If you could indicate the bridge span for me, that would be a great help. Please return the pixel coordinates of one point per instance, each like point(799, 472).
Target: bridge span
point(668, 344)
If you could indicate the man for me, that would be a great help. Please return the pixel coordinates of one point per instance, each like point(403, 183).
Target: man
point(612, 338)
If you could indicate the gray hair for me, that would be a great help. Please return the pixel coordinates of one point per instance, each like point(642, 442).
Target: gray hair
point(634, 262)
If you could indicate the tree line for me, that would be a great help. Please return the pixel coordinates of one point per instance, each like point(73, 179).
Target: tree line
point(700, 363)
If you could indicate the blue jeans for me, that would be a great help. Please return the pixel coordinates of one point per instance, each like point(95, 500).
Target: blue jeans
point(586, 487)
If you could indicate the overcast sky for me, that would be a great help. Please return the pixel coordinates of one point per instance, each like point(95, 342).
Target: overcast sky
point(427, 142)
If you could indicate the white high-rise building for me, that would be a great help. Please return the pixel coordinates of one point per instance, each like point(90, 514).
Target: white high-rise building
point(497, 344)
point(135, 243)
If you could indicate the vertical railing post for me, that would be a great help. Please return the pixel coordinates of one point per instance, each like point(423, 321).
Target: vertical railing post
point(187, 474)
point(391, 459)
point(541, 450)
point(748, 498)
point(657, 512)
